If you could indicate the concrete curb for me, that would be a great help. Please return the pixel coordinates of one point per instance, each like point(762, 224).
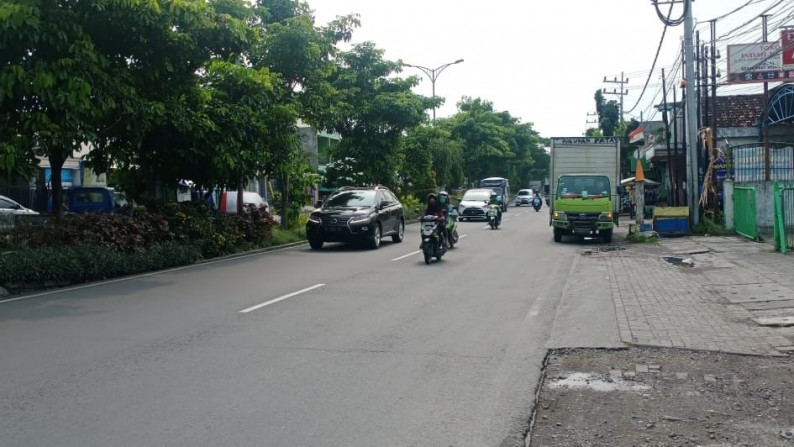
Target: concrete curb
point(250, 252)
point(39, 291)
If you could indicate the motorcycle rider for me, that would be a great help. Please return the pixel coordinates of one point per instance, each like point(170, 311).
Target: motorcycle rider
point(436, 208)
point(443, 201)
point(496, 199)
point(539, 201)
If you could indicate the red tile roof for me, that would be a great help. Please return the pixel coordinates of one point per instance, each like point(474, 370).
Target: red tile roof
point(739, 110)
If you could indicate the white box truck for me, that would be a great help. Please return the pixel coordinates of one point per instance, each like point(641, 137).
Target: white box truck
point(585, 176)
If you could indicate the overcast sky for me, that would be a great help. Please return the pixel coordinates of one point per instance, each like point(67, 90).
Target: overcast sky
point(543, 60)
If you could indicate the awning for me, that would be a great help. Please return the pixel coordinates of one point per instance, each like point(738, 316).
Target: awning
point(626, 181)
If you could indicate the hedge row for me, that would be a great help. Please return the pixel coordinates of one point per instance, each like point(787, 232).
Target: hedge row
point(50, 266)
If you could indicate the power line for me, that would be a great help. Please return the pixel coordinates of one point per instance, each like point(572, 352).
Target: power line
point(749, 2)
point(666, 22)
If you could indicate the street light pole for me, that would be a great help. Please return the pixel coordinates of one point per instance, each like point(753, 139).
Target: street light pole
point(433, 74)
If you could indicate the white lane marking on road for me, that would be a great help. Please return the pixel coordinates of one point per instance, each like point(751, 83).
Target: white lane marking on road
point(144, 275)
point(281, 298)
point(409, 254)
point(534, 311)
point(462, 236)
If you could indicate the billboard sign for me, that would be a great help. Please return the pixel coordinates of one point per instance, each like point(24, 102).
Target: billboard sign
point(757, 62)
point(787, 43)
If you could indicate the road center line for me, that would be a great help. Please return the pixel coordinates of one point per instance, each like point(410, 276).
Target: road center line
point(462, 236)
point(534, 311)
point(281, 298)
point(405, 256)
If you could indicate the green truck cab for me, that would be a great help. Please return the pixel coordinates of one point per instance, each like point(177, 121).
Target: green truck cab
point(583, 206)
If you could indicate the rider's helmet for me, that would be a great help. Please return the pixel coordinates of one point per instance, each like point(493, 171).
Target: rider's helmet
point(431, 196)
point(443, 198)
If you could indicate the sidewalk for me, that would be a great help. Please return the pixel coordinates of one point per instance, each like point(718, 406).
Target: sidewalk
point(704, 293)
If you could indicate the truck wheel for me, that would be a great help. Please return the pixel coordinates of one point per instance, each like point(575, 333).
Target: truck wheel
point(557, 235)
point(606, 236)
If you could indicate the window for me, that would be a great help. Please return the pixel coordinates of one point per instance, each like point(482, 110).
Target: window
point(477, 195)
point(352, 199)
point(90, 197)
point(7, 205)
point(583, 186)
point(393, 198)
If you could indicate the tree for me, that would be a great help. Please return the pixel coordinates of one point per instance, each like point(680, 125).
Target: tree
point(608, 114)
point(161, 115)
point(55, 84)
point(301, 54)
point(494, 143)
point(431, 159)
point(593, 132)
point(371, 111)
point(626, 148)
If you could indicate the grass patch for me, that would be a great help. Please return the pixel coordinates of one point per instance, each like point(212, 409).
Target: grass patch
point(707, 227)
point(281, 236)
point(639, 238)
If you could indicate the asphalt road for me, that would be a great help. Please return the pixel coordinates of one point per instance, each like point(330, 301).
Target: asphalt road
point(376, 349)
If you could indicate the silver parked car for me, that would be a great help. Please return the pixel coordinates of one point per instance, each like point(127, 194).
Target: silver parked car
point(8, 206)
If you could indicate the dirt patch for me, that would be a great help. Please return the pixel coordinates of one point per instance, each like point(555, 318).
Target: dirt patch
point(664, 397)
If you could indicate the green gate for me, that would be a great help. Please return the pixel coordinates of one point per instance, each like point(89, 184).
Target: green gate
point(783, 197)
point(744, 211)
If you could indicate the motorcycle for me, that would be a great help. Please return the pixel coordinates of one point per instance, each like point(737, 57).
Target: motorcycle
point(452, 227)
point(493, 217)
point(537, 203)
point(432, 240)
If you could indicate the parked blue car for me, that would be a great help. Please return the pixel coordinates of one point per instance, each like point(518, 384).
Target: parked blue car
point(88, 199)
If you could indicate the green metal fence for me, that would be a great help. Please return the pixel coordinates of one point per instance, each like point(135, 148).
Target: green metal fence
point(744, 211)
point(783, 197)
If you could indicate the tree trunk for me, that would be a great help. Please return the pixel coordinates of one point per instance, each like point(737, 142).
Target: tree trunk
point(285, 199)
point(240, 197)
point(56, 165)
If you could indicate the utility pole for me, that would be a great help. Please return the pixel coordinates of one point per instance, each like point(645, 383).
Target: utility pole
point(714, 57)
point(691, 107)
point(767, 173)
point(615, 91)
point(670, 188)
point(691, 100)
point(589, 121)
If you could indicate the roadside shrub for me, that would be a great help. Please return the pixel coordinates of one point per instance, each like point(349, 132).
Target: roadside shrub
point(60, 265)
point(412, 207)
point(709, 227)
point(123, 232)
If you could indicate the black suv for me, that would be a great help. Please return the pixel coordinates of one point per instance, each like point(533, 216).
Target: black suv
point(357, 214)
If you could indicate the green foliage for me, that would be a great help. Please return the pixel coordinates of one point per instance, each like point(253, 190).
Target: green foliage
point(63, 264)
point(120, 232)
point(373, 109)
point(281, 236)
point(496, 143)
point(412, 207)
point(608, 114)
point(626, 149)
point(639, 238)
point(709, 226)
